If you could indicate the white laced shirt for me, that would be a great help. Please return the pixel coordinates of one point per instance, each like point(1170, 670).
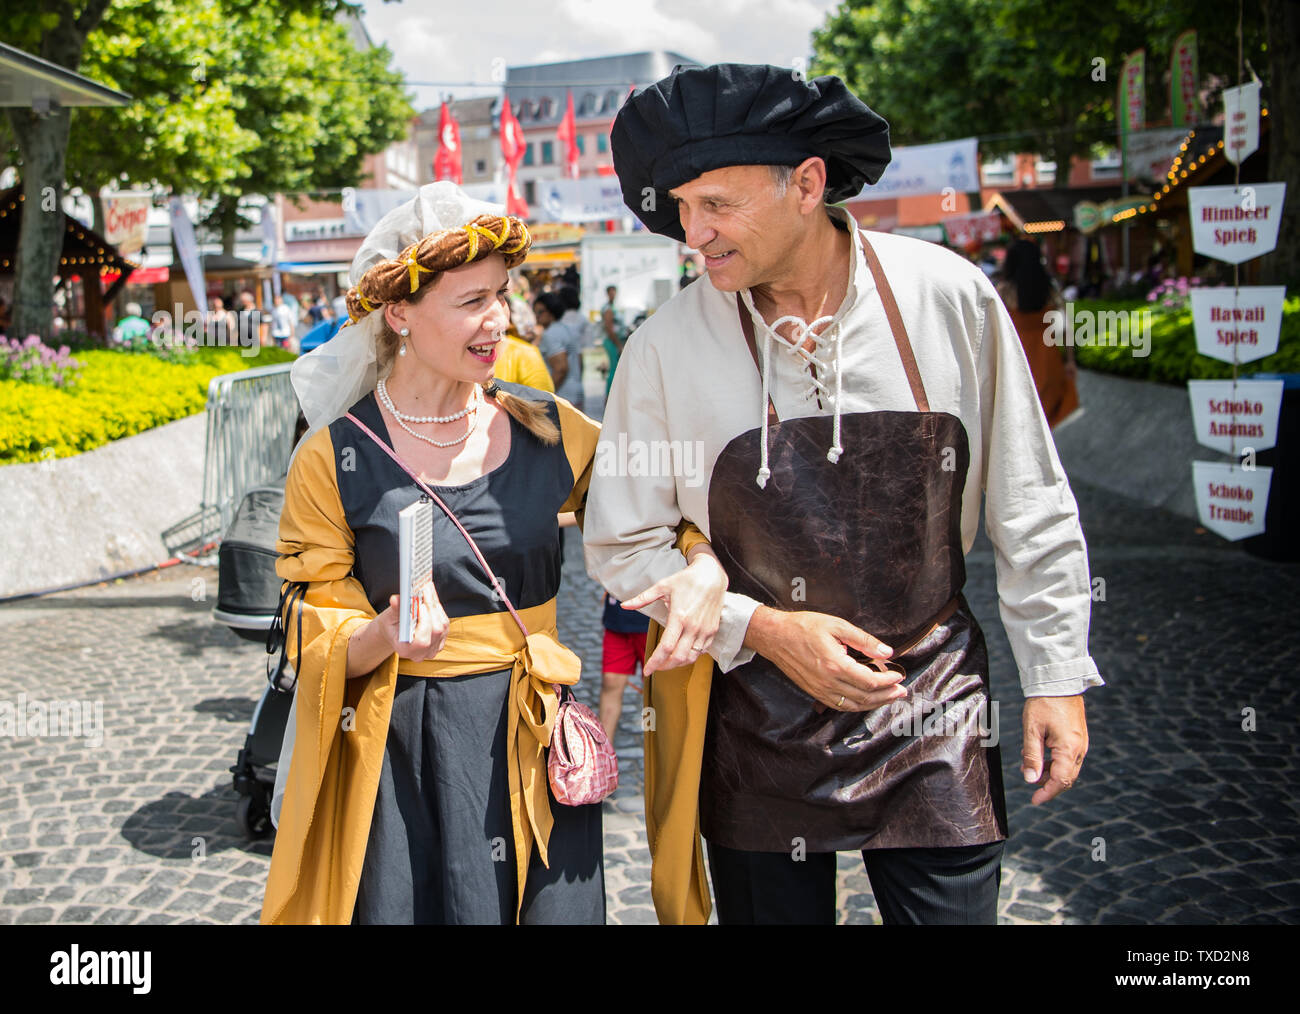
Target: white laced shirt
point(686, 386)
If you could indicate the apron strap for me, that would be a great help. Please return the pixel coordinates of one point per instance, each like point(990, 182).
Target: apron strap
point(896, 327)
point(747, 327)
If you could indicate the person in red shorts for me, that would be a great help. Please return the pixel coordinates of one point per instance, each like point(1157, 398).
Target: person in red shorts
point(624, 649)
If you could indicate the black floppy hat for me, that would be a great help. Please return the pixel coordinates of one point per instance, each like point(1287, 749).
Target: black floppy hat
point(703, 118)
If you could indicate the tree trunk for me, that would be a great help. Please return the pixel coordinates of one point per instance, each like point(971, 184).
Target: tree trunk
point(1063, 146)
point(43, 141)
point(1282, 18)
point(43, 147)
point(225, 217)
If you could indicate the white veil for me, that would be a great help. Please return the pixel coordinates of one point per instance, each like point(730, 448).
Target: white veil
point(334, 376)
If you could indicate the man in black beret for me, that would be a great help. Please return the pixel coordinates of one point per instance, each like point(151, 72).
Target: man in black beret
point(828, 406)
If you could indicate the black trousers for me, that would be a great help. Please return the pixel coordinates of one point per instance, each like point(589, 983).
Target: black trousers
point(935, 886)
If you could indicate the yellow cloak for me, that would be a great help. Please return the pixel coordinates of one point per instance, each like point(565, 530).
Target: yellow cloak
point(342, 724)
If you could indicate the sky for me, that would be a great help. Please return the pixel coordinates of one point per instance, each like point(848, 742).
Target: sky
point(460, 42)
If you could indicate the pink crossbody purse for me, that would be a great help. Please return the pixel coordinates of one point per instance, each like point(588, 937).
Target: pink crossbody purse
point(582, 766)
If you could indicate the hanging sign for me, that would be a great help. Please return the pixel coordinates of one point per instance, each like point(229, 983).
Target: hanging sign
point(1235, 224)
point(1237, 325)
point(1231, 500)
point(1240, 122)
point(1233, 416)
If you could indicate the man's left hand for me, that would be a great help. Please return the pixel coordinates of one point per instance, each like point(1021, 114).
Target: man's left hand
point(1057, 724)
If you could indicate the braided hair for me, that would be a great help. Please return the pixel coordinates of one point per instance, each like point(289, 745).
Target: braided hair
point(406, 278)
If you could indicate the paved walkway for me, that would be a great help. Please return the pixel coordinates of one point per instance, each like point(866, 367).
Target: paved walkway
point(1197, 813)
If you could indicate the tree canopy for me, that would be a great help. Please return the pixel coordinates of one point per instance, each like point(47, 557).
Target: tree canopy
point(1021, 74)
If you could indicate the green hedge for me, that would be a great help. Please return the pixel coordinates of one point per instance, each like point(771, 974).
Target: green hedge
point(1173, 358)
point(116, 395)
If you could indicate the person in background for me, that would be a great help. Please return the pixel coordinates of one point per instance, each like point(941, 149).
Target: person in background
point(133, 328)
point(522, 319)
point(519, 362)
point(612, 333)
point(1028, 291)
point(249, 320)
point(573, 315)
point(282, 322)
point(560, 347)
point(220, 323)
point(622, 651)
point(315, 310)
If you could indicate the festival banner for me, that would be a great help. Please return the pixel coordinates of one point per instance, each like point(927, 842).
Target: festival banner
point(1184, 81)
point(976, 227)
point(188, 248)
point(512, 153)
point(567, 134)
point(1130, 109)
point(447, 159)
point(928, 169)
point(591, 199)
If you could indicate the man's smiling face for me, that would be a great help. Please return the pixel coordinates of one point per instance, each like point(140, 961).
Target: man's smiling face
point(734, 217)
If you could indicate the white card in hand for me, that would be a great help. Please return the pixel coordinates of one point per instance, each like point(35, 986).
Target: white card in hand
point(415, 561)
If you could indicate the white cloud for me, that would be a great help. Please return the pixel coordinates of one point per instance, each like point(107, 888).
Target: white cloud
point(456, 44)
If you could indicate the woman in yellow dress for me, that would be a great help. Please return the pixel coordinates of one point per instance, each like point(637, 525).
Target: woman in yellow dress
point(417, 790)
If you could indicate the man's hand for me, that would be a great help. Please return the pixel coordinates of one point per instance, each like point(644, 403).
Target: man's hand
point(694, 597)
point(1059, 724)
point(812, 650)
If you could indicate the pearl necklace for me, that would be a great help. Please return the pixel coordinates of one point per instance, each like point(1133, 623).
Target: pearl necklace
point(382, 390)
point(472, 408)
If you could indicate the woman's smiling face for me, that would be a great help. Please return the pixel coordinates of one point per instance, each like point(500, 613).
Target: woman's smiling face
point(458, 323)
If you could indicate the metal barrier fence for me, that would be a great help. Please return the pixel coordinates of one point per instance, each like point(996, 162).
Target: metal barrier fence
point(251, 420)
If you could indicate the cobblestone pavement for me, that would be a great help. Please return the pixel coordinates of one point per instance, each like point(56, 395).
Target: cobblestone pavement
point(1198, 817)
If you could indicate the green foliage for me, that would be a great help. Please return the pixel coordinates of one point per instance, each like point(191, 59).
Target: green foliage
point(1021, 74)
point(229, 97)
point(118, 394)
point(235, 98)
point(1173, 358)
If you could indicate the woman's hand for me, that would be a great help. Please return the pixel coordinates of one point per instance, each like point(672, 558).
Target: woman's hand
point(378, 639)
point(694, 598)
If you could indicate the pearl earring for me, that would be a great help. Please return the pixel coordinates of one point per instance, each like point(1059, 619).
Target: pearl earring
point(405, 332)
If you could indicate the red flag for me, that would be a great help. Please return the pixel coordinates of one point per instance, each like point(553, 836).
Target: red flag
point(512, 153)
point(446, 162)
point(567, 135)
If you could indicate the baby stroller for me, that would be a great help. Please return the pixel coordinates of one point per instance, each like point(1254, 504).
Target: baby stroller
point(247, 600)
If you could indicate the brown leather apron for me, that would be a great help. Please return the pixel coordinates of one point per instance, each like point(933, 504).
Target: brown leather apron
point(876, 540)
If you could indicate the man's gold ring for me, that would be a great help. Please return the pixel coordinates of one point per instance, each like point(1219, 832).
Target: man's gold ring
point(841, 704)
